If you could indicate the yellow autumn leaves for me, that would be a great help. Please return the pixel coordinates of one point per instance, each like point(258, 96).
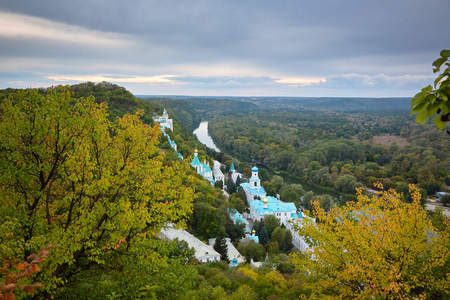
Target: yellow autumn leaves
point(379, 247)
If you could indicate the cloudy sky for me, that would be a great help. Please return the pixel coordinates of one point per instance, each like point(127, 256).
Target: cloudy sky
point(354, 48)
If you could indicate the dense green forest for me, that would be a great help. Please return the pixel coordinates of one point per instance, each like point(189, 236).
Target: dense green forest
point(340, 149)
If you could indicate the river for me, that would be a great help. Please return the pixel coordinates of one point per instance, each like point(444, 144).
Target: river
point(202, 135)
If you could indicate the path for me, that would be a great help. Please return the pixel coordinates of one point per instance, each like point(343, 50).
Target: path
point(432, 206)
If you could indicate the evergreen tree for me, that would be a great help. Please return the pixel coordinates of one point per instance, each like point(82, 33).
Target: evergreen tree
point(258, 225)
point(263, 236)
point(231, 187)
point(221, 246)
point(238, 182)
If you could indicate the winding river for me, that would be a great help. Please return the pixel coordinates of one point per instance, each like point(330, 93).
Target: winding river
point(202, 135)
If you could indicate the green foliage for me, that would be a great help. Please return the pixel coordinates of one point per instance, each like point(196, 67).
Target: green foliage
point(231, 187)
point(119, 101)
point(221, 246)
point(235, 231)
point(237, 200)
point(309, 145)
point(251, 250)
point(435, 102)
point(89, 186)
point(152, 269)
point(271, 222)
point(182, 113)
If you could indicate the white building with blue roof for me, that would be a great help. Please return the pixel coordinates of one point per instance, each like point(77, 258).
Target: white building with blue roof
point(234, 174)
point(236, 217)
point(283, 211)
point(202, 169)
point(164, 120)
point(253, 188)
point(286, 212)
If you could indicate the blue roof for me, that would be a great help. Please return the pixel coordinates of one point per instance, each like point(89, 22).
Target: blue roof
point(234, 262)
point(253, 191)
point(255, 169)
point(273, 206)
point(206, 168)
point(254, 238)
point(232, 166)
point(195, 162)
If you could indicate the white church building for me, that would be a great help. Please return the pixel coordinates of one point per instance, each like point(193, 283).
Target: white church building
point(253, 188)
point(202, 168)
point(285, 212)
point(164, 120)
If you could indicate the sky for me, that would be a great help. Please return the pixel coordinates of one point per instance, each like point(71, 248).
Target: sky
point(301, 48)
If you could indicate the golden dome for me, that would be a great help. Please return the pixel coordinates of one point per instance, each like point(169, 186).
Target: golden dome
point(265, 201)
point(253, 231)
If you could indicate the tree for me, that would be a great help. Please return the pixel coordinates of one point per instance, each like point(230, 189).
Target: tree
point(219, 184)
point(221, 246)
point(231, 187)
point(279, 235)
point(73, 179)
point(235, 231)
point(271, 222)
point(292, 193)
point(306, 201)
point(251, 250)
point(238, 181)
point(379, 247)
point(238, 201)
point(263, 235)
point(435, 102)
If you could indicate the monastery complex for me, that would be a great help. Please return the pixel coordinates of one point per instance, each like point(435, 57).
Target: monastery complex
point(260, 205)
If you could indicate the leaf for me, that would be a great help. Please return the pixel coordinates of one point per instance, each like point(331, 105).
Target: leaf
point(439, 124)
point(9, 296)
point(29, 289)
point(35, 268)
point(419, 107)
point(420, 117)
point(31, 257)
point(442, 95)
point(432, 109)
point(10, 287)
point(22, 266)
point(417, 99)
point(445, 53)
point(438, 79)
point(438, 63)
point(427, 89)
point(444, 83)
point(445, 107)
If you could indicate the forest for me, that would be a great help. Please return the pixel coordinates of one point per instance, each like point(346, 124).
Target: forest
point(87, 181)
point(342, 150)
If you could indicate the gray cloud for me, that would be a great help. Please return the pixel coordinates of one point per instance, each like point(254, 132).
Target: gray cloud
point(217, 44)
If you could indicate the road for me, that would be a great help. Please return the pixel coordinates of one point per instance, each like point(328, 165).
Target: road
point(432, 206)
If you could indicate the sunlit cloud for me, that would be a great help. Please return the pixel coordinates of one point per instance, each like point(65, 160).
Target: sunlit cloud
point(17, 26)
point(300, 81)
point(160, 79)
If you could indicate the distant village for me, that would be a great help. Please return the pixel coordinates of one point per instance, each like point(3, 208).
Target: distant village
point(285, 212)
